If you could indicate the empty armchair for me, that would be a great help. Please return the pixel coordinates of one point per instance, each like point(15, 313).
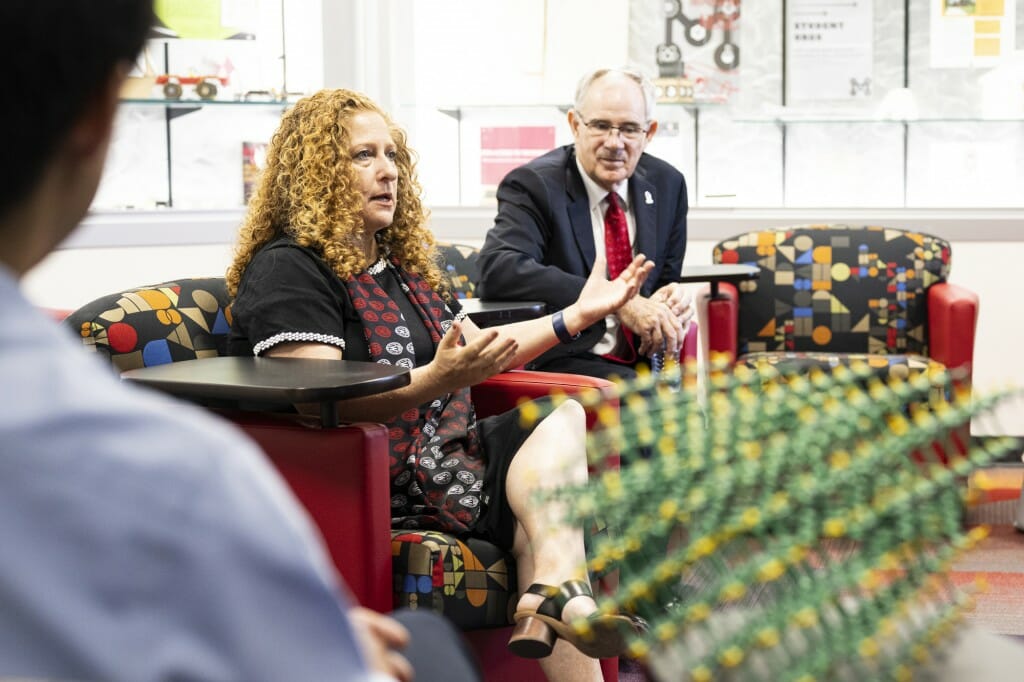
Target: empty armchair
point(830, 291)
point(829, 294)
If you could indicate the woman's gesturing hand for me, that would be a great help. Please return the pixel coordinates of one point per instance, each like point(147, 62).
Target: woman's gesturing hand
point(456, 366)
point(601, 297)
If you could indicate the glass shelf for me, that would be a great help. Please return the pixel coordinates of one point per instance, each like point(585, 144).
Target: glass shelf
point(183, 103)
point(454, 109)
point(786, 120)
point(164, 112)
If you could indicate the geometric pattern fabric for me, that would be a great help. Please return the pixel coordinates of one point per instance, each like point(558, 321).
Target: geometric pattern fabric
point(460, 267)
point(897, 366)
point(826, 290)
point(471, 582)
point(157, 324)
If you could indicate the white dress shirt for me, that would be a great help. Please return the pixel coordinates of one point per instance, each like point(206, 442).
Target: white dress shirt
point(598, 198)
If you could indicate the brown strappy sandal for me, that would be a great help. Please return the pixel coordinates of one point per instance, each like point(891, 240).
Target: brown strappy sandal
point(603, 636)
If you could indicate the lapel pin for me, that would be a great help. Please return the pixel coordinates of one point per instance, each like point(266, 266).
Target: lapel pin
point(648, 199)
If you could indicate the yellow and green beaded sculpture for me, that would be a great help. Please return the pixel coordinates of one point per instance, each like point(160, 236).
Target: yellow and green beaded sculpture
point(775, 527)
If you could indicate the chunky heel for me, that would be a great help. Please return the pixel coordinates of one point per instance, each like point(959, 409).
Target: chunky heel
point(599, 636)
point(532, 638)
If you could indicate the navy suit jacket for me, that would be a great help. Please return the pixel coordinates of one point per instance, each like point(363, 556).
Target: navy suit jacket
point(541, 247)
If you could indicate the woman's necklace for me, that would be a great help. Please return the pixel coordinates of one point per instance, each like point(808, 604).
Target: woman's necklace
point(383, 264)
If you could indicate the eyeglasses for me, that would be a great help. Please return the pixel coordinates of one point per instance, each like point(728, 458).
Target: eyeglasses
point(599, 128)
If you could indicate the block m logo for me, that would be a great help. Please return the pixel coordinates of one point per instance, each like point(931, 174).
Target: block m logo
point(862, 86)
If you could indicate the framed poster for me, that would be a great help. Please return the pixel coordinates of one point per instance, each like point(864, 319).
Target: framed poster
point(504, 148)
point(828, 50)
point(698, 56)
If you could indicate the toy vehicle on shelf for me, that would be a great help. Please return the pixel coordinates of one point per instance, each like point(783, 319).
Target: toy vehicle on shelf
point(674, 90)
point(205, 86)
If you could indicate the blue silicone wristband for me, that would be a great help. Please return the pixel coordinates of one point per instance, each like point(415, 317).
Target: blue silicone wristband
point(558, 322)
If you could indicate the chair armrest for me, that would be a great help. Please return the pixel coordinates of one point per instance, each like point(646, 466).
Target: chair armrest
point(952, 321)
point(57, 314)
point(504, 391)
point(341, 477)
point(721, 319)
point(688, 350)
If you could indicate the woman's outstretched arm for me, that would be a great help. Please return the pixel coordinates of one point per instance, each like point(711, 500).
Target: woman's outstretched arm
point(453, 367)
point(599, 298)
point(487, 351)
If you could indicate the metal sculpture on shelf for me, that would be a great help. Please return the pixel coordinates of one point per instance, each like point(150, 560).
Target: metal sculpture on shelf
point(672, 84)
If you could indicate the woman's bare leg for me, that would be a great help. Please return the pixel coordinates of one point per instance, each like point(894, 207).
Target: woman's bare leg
point(546, 549)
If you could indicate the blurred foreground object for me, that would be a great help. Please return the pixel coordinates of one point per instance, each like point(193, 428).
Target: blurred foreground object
point(806, 542)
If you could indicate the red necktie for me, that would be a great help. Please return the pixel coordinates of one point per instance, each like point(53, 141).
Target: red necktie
point(619, 255)
point(616, 238)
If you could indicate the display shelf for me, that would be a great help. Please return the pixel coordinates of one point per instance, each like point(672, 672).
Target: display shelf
point(175, 108)
point(801, 118)
point(246, 83)
point(184, 103)
point(456, 110)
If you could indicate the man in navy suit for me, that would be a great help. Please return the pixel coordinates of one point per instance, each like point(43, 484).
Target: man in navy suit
point(550, 228)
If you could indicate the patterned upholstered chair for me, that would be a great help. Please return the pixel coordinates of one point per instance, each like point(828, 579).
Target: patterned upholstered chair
point(830, 294)
point(152, 325)
point(460, 266)
point(473, 583)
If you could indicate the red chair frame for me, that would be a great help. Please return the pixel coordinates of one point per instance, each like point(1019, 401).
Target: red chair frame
point(341, 477)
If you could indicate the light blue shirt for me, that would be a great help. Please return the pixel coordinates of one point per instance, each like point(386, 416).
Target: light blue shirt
point(143, 539)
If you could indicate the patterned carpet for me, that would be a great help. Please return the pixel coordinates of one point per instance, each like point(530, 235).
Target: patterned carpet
point(993, 570)
point(997, 562)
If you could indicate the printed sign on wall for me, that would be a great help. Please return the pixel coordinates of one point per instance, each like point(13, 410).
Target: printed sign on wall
point(828, 50)
point(971, 33)
point(698, 58)
point(503, 148)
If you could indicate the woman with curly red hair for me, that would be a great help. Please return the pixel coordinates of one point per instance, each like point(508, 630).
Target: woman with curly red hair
point(335, 260)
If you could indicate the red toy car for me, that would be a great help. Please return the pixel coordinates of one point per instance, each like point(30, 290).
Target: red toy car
point(206, 86)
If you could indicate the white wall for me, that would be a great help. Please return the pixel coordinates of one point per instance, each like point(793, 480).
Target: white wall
point(69, 278)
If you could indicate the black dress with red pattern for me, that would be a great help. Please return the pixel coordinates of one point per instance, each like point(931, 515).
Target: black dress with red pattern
point(436, 461)
point(447, 468)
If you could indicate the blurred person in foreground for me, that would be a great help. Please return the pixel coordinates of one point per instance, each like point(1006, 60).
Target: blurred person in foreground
point(143, 539)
